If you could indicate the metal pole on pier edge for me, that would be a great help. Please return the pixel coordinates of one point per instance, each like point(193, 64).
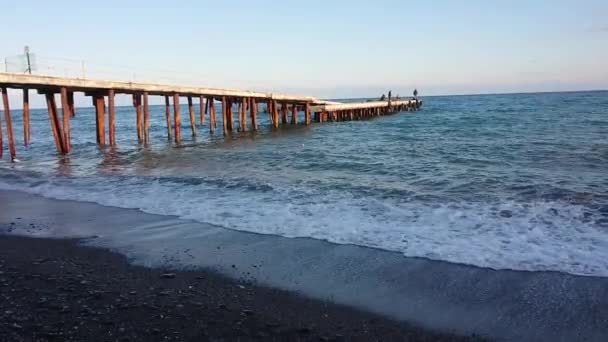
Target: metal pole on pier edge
point(9, 124)
point(65, 109)
point(192, 116)
point(177, 120)
point(26, 117)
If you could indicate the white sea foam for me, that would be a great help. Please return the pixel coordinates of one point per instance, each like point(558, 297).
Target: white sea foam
point(536, 236)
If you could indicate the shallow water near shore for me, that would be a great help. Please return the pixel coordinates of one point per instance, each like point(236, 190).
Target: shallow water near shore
point(498, 181)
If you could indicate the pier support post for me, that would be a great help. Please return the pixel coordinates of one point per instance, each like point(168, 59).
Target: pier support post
point(65, 109)
point(307, 113)
point(168, 116)
point(224, 115)
point(177, 120)
point(138, 117)
point(9, 125)
point(284, 113)
point(26, 117)
point(244, 114)
point(146, 119)
point(212, 115)
point(239, 108)
point(294, 114)
point(275, 112)
point(100, 116)
point(203, 108)
point(54, 118)
point(192, 116)
point(71, 103)
point(230, 114)
point(111, 117)
point(253, 109)
point(270, 111)
point(1, 140)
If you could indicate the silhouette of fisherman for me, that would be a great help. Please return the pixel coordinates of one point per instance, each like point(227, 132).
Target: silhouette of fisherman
point(416, 98)
point(383, 97)
point(390, 95)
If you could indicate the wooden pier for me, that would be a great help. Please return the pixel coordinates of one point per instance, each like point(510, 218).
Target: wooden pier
point(278, 106)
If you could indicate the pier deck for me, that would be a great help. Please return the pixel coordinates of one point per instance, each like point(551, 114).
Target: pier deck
point(245, 103)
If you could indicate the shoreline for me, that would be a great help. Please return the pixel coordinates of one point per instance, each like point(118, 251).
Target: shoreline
point(434, 295)
point(56, 288)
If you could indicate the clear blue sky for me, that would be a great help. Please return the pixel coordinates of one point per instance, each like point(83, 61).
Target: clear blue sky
point(324, 48)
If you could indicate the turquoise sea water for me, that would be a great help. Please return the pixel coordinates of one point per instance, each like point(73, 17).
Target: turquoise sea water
point(502, 181)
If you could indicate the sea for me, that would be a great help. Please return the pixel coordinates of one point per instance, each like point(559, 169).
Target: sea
point(516, 181)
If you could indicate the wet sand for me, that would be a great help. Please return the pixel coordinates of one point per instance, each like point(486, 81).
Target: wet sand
point(438, 296)
point(58, 290)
